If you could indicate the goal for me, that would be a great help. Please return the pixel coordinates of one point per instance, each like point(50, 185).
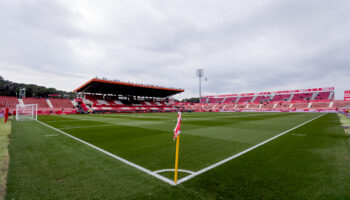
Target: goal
point(26, 112)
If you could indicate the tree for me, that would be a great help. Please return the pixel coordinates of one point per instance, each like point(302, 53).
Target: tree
point(8, 88)
point(192, 100)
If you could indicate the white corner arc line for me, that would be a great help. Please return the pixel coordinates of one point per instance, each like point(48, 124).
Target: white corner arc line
point(172, 170)
point(114, 156)
point(243, 152)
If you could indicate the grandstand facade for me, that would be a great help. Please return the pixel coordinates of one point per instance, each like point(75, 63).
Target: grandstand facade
point(104, 96)
point(301, 100)
point(100, 95)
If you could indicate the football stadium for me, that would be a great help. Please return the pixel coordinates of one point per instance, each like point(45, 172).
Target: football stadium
point(269, 118)
point(114, 140)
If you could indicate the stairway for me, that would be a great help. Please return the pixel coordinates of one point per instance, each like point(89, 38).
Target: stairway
point(291, 97)
point(331, 104)
point(49, 103)
point(331, 94)
point(21, 102)
point(237, 100)
point(253, 99)
point(314, 95)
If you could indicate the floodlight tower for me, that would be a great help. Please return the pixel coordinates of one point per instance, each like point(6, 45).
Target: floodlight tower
point(22, 93)
point(200, 73)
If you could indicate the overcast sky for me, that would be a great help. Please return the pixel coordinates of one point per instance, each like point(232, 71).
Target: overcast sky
point(243, 46)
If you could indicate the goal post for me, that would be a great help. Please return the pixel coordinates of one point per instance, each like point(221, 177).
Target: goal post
point(26, 112)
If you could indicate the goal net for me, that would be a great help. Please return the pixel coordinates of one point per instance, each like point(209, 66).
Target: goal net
point(26, 112)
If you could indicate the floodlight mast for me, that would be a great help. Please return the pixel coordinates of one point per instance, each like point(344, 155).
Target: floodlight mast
point(200, 73)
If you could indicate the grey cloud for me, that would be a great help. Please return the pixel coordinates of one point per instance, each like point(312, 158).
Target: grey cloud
point(243, 46)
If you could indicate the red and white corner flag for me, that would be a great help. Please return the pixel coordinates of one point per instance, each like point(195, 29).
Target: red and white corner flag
point(178, 125)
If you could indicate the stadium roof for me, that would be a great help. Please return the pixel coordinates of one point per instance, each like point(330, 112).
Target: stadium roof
point(116, 87)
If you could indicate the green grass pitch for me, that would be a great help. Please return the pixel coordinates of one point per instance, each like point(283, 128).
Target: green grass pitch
point(310, 162)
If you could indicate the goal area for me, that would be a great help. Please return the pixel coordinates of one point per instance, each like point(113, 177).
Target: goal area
point(26, 112)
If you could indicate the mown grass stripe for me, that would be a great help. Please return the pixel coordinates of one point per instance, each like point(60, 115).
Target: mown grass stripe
point(243, 152)
point(114, 156)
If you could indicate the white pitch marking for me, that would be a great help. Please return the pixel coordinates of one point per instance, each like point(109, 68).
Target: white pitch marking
point(114, 156)
point(51, 135)
point(299, 134)
point(172, 170)
point(242, 152)
point(74, 127)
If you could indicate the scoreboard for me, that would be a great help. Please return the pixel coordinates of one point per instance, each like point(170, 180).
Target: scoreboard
point(347, 95)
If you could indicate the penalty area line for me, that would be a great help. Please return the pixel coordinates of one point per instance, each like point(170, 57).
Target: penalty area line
point(114, 156)
point(243, 152)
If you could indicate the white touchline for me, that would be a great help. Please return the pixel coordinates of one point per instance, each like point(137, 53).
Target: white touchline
point(243, 152)
point(193, 174)
point(114, 156)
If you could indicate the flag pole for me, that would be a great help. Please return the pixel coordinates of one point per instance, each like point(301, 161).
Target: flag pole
point(176, 157)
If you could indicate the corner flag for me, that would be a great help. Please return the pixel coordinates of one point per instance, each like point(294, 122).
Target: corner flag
point(178, 125)
point(177, 136)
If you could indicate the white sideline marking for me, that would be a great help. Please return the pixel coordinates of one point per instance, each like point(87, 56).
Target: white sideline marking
point(172, 170)
point(114, 156)
point(242, 152)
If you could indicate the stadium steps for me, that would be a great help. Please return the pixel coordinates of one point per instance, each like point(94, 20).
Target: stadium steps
point(331, 104)
point(314, 95)
point(87, 101)
point(49, 103)
point(253, 99)
point(331, 94)
point(309, 105)
point(21, 102)
point(237, 100)
point(103, 102)
point(74, 103)
point(291, 97)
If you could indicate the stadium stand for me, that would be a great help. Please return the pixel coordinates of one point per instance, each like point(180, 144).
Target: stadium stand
point(245, 99)
point(322, 96)
point(300, 106)
point(320, 105)
point(253, 106)
point(288, 100)
point(125, 97)
point(338, 104)
point(230, 100)
point(267, 106)
point(241, 106)
point(229, 107)
point(260, 99)
point(216, 100)
point(302, 96)
point(281, 97)
point(62, 103)
point(10, 102)
point(137, 98)
point(282, 106)
point(42, 104)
